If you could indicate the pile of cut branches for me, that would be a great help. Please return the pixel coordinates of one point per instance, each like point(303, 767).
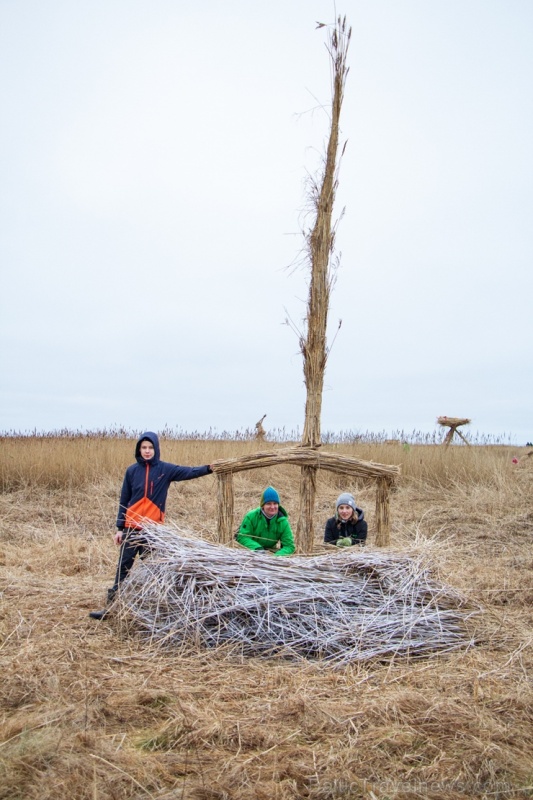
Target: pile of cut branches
point(340, 608)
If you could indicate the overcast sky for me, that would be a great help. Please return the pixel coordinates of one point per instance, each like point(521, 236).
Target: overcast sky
point(154, 156)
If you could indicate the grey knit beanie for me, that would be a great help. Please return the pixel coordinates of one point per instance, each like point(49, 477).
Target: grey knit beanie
point(345, 499)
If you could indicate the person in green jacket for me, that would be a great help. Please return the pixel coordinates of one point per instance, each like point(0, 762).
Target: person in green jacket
point(267, 527)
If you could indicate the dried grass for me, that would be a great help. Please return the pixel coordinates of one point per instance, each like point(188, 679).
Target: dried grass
point(33, 463)
point(88, 711)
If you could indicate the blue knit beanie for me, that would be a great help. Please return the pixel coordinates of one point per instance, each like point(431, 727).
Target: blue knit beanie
point(269, 496)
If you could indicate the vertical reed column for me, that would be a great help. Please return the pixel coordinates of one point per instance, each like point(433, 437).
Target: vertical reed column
point(304, 538)
point(225, 506)
point(382, 513)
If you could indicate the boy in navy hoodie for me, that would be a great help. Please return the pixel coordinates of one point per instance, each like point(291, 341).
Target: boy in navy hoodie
point(142, 500)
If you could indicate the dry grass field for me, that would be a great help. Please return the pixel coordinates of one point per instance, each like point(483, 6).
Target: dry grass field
point(89, 712)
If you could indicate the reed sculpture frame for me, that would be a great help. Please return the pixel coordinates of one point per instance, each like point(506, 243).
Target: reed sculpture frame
point(384, 475)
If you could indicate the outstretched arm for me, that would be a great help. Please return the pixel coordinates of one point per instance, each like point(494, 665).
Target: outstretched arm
point(179, 473)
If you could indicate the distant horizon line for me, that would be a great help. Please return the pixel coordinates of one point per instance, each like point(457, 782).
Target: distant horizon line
point(282, 435)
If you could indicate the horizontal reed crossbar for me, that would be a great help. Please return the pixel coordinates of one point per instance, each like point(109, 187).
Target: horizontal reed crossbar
point(304, 456)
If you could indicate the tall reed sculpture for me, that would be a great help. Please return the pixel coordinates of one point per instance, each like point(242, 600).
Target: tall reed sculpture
point(319, 241)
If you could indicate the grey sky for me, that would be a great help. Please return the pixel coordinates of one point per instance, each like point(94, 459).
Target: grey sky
point(153, 158)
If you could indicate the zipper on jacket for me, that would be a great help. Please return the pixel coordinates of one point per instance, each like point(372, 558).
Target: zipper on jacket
point(146, 480)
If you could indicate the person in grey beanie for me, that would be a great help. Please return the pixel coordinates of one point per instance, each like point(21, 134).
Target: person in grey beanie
point(348, 526)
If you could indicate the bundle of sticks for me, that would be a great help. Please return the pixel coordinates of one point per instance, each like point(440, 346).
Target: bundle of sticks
point(339, 607)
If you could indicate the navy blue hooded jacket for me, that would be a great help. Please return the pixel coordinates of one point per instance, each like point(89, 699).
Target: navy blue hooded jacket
point(145, 487)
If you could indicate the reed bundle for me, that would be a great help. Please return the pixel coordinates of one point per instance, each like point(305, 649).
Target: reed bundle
point(453, 422)
point(307, 456)
point(339, 607)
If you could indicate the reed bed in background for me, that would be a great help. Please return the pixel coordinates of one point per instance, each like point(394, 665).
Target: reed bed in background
point(276, 435)
point(338, 607)
point(77, 460)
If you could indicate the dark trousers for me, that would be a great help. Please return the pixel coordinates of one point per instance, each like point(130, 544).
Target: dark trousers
point(132, 545)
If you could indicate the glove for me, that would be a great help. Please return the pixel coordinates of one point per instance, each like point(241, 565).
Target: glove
point(344, 542)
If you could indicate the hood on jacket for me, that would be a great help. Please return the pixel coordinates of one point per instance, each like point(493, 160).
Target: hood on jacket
point(152, 437)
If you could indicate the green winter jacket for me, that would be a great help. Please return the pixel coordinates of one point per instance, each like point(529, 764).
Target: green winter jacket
point(258, 532)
